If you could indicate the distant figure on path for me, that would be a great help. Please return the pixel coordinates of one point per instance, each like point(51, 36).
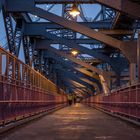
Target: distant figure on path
point(70, 99)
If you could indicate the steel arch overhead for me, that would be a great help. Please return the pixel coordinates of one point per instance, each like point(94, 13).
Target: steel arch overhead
point(74, 82)
point(126, 6)
point(69, 65)
point(29, 6)
point(72, 76)
point(105, 76)
point(82, 90)
point(92, 68)
point(126, 48)
point(66, 64)
point(35, 29)
point(63, 1)
point(80, 48)
point(93, 25)
point(0, 6)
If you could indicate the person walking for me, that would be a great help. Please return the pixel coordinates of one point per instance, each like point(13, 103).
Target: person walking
point(70, 98)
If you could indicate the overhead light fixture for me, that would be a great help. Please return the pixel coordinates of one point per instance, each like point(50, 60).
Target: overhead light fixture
point(74, 11)
point(74, 52)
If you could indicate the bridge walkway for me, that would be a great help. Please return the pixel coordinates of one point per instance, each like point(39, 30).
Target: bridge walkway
point(78, 122)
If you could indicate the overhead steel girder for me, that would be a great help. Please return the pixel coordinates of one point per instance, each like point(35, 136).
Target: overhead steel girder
point(76, 86)
point(70, 65)
point(37, 30)
point(78, 61)
point(93, 25)
point(28, 6)
point(95, 79)
point(72, 83)
point(126, 48)
point(63, 1)
point(69, 43)
point(0, 5)
point(77, 40)
point(105, 75)
point(126, 6)
point(72, 76)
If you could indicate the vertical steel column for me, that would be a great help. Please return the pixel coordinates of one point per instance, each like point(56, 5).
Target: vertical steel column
point(0, 65)
point(0, 5)
point(138, 56)
point(132, 72)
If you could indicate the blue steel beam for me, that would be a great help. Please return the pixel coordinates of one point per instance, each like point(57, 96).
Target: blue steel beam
point(29, 6)
point(84, 50)
point(73, 85)
point(42, 44)
point(63, 1)
point(77, 40)
point(125, 48)
point(77, 61)
point(93, 25)
point(0, 6)
point(72, 76)
point(126, 6)
point(68, 65)
point(72, 67)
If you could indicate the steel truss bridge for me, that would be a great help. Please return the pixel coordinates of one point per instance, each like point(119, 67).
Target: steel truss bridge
point(105, 73)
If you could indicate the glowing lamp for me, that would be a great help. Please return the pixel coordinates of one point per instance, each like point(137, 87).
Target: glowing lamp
point(74, 52)
point(74, 11)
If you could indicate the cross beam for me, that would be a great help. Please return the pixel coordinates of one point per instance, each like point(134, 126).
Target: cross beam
point(80, 48)
point(126, 6)
point(63, 1)
point(69, 65)
point(126, 48)
point(29, 6)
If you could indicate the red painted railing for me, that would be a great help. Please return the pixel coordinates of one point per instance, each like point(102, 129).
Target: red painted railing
point(124, 102)
point(23, 91)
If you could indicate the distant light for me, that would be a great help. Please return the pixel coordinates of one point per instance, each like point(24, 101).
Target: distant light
point(47, 6)
point(36, 16)
point(74, 11)
point(74, 52)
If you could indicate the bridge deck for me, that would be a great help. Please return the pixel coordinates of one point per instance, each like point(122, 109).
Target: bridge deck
point(76, 123)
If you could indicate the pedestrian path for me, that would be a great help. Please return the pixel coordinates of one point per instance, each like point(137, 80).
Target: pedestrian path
point(77, 122)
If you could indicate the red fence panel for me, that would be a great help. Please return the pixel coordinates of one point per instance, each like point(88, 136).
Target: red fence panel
point(124, 102)
point(24, 91)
